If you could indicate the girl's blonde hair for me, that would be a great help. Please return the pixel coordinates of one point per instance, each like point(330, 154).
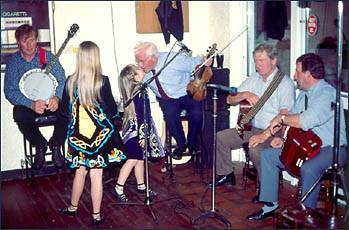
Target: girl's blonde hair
point(88, 78)
point(128, 85)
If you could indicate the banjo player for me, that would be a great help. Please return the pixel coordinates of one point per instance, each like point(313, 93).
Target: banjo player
point(26, 110)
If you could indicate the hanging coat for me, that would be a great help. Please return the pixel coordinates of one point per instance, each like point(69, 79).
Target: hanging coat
point(171, 20)
point(275, 19)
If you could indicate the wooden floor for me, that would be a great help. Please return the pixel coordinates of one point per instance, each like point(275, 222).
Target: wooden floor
point(174, 207)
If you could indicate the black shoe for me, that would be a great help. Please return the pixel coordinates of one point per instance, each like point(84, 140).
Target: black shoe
point(57, 157)
point(260, 215)
point(227, 179)
point(193, 150)
point(39, 156)
point(143, 191)
point(97, 222)
point(122, 197)
point(66, 211)
point(178, 152)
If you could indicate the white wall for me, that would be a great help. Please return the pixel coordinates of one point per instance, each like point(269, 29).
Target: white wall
point(112, 25)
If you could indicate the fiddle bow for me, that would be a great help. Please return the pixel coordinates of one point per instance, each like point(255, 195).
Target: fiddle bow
point(197, 86)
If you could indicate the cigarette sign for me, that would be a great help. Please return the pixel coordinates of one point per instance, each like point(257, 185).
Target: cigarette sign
point(312, 25)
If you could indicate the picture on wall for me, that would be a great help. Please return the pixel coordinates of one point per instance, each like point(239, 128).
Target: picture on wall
point(16, 13)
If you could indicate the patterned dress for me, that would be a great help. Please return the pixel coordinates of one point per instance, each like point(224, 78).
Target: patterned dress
point(93, 140)
point(134, 131)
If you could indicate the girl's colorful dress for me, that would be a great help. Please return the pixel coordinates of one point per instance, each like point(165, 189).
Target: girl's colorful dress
point(134, 131)
point(92, 138)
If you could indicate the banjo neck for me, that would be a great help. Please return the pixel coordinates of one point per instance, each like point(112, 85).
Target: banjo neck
point(49, 68)
point(71, 33)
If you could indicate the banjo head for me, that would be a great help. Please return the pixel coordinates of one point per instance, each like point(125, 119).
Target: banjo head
point(36, 84)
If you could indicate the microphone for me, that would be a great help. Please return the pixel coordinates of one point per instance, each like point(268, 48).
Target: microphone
point(185, 48)
point(223, 88)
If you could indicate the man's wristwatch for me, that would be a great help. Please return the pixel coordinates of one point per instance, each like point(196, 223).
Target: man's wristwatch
point(282, 119)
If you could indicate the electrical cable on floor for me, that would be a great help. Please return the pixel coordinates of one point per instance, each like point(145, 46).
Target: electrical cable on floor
point(202, 200)
point(180, 204)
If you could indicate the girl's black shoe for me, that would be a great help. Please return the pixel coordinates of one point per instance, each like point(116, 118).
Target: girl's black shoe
point(67, 212)
point(99, 220)
point(143, 191)
point(122, 197)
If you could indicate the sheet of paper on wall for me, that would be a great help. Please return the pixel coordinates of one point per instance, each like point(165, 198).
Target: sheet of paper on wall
point(13, 23)
point(44, 35)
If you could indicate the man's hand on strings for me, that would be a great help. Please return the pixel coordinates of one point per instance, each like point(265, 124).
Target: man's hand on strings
point(38, 106)
point(53, 104)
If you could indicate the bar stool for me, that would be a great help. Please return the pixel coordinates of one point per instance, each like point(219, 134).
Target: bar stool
point(42, 121)
point(169, 146)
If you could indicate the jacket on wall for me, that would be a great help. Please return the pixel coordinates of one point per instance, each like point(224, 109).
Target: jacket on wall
point(275, 19)
point(171, 20)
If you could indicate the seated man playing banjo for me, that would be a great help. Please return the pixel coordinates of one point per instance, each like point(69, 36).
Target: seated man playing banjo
point(312, 111)
point(26, 109)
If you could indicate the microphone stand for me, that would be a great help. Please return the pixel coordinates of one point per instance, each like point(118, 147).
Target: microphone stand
point(143, 89)
point(213, 213)
point(335, 171)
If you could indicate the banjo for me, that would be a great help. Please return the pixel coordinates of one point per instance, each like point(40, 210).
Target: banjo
point(40, 84)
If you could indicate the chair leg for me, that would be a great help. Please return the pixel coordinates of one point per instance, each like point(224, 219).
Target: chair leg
point(244, 174)
point(168, 147)
point(31, 168)
point(258, 185)
point(299, 189)
point(246, 165)
point(281, 180)
point(345, 191)
point(26, 159)
point(65, 169)
point(327, 185)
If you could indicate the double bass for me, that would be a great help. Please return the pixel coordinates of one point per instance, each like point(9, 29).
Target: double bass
point(202, 74)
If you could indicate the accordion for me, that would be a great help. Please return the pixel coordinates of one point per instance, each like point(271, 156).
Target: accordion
point(299, 147)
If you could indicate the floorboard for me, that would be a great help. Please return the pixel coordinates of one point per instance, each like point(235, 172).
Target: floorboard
point(174, 207)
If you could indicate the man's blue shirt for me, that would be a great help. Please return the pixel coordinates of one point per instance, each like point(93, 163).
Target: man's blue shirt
point(17, 66)
point(319, 115)
point(283, 97)
point(175, 77)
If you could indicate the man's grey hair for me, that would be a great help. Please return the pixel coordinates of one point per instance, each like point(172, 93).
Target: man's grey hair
point(271, 50)
point(149, 47)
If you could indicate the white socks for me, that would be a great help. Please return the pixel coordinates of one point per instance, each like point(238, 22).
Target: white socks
point(270, 208)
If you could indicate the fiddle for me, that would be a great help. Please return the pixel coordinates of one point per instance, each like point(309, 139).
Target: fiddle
point(202, 74)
